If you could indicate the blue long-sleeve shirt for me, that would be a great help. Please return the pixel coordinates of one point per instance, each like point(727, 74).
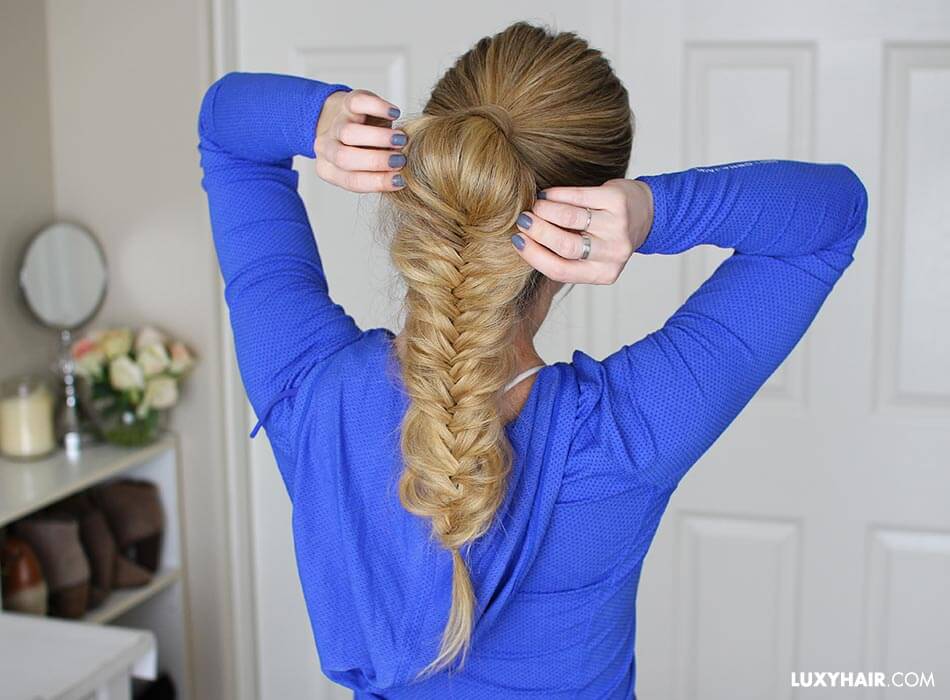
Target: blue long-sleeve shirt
point(599, 445)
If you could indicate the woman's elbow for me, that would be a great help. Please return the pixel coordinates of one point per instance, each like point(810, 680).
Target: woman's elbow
point(857, 197)
point(206, 110)
point(858, 192)
point(854, 200)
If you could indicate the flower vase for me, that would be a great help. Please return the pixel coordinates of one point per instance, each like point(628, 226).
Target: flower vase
point(128, 429)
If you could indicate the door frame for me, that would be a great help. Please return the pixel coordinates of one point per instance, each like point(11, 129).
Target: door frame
point(242, 606)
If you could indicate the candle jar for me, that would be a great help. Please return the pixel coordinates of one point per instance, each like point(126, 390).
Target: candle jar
point(26, 418)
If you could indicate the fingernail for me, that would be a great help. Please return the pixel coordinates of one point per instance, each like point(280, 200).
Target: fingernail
point(542, 195)
point(398, 181)
point(524, 221)
point(518, 241)
point(398, 140)
point(394, 112)
point(397, 160)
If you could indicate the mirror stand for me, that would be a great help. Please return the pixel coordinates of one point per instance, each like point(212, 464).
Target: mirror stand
point(68, 413)
point(63, 281)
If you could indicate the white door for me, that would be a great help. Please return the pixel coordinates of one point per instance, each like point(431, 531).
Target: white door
point(815, 536)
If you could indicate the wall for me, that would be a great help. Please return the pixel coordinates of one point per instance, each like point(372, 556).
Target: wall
point(126, 80)
point(26, 186)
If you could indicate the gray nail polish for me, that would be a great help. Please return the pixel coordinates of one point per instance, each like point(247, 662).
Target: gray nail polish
point(518, 241)
point(542, 195)
point(394, 112)
point(397, 160)
point(398, 181)
point(398, 140)
point(524, 221)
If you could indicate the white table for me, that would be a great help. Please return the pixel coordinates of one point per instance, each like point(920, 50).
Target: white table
point(42, 658)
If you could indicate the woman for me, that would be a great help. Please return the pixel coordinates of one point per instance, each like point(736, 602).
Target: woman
point(468, 521)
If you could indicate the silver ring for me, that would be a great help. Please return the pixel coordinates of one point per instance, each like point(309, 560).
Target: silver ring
point(585, 252)
point(588, 219)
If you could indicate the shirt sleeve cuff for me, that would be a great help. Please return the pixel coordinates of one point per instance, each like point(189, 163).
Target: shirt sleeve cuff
point(653, 242)
point(307, 114)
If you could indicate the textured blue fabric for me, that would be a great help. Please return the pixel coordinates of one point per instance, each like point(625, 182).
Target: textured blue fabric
point(600, 445)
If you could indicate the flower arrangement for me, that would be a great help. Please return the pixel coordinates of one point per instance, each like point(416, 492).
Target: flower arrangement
point(129, 379)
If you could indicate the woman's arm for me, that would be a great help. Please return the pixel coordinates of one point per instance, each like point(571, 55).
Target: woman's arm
point(284, 322)
point(793, 226)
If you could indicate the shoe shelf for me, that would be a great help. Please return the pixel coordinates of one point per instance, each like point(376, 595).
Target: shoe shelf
point(122, 600)
point(28, 486)
point(161, 605)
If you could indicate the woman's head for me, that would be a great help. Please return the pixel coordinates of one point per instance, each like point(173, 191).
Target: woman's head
point(522, 110)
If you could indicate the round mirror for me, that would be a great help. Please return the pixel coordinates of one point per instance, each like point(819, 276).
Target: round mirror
point(63, 276)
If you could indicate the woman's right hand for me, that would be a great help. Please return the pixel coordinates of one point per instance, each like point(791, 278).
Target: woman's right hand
point(552, 240)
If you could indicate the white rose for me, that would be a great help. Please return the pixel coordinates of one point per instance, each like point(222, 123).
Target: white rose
point(116, 342)
point(149, 336)
point(182, 360)
point(161, 392)
point(153, 359)
point(125, 374)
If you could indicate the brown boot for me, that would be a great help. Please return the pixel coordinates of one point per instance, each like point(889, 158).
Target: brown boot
point(97, 541)
point(134, 511)
point(55, 539)
point(128, 574)
point(24, 589)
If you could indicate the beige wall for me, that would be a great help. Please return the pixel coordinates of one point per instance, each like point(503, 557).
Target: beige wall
point(26, 185)
point(126, 79)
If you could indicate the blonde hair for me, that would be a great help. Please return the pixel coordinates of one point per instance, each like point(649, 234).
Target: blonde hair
point(522, 110)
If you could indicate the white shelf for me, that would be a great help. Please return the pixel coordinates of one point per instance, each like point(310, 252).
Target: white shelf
point(29, 486)
point(122, 600)
point(45, 658)
point(160, 606)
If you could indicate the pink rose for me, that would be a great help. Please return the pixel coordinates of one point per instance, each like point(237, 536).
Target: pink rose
point(88, 358)
point(181, 360)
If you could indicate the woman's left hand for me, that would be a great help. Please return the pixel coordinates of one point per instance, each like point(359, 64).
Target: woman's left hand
point(357, 148)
